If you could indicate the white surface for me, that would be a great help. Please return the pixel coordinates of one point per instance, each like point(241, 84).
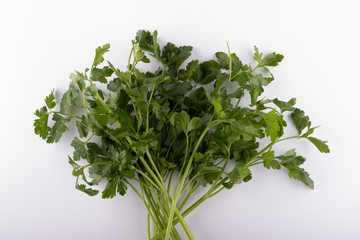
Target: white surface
point(42, 42)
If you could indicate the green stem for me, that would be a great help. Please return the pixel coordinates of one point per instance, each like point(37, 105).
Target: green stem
point(206, 196)
point(146, 205)
point(132, 50)
point(192, 189)
point(178, 192)
point(230, 69)
point(237, 104)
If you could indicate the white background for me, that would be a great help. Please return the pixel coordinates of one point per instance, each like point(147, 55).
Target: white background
point(42, 42)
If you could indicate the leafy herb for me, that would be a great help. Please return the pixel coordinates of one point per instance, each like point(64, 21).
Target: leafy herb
point(164, 134)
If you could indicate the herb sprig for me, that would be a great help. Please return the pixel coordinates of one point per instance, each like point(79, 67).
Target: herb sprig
point(169, 132)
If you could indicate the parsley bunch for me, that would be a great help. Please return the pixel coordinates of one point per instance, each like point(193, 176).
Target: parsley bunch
point(166, 133)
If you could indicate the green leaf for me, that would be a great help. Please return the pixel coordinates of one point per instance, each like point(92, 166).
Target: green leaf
point(299, 119)
point(146, 40)
point(217, 106)
point(309, 131)
point(99, 52)
point(239, 174)
point(272, 125)
point(79, 79)
point(232, 134)
point(140, 147)
point(206, 72)
point(41, 124)
point(238, 93)
point(222, 78)
point(272, 59)
point(236, 64)
point(299, 174)
point(269, 60)
point(174, 56)
point(156, 45)
point(88, 191)
point(58, 129)
point(100, 74)
point(194, 123)
point(181, 120)
point(285, 106)
point(91, 90)
point(138, 95)
point(304, 177)
point(247, 129)
point(223, 60)
point(49, 100)
point(268, 157)
point(256, 87)
point(74, 164)
point(290, 157)
point(115, 85)
point(321, 145)
point(243, 76)
point(70, 98)
point(292, 163)
point(177, 91)
point(140, 55)
point(99, 172)
point(258, 56)
point(80, 149)
point(185, 74)
point(110, 189)
point(83, 126)
point(156, 109)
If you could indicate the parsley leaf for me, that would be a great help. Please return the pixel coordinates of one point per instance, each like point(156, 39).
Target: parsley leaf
point(321, 145)
point(80, 149)
point(83, 126)
point(99, 52)
point(49, 100)
point(114, 186)
point(58, 129)
point(41, 124)
point(272, 125)
point(299, 119)
point(70, 98)
point(285, 106)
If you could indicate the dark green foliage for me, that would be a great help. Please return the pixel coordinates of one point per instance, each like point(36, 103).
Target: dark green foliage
point(300, 120)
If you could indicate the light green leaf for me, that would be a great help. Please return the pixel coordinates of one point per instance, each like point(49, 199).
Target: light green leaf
point(194, 123)
point(272, 125)
point(99, 52)
point(70, 98)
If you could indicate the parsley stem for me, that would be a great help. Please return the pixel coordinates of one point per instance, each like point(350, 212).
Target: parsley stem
point(230, 70)
point(287, 138)
point(178, 192)
point(152, 207)
point(143, 200)
point(237, 103)
point(148, 226)
point(132, 50)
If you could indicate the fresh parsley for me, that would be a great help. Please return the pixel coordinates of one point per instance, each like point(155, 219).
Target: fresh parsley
point(165, 134)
